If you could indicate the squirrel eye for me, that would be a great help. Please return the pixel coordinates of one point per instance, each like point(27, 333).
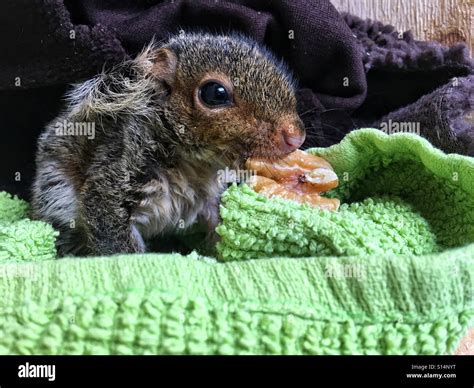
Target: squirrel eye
point(214, 95)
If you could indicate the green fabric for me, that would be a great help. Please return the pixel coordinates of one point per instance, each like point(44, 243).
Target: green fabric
point(392, 272)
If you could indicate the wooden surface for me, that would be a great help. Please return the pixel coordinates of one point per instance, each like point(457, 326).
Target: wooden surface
point(466, 346)
point(447, 21)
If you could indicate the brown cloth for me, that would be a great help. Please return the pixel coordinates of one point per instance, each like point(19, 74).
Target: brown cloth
point(351, 72)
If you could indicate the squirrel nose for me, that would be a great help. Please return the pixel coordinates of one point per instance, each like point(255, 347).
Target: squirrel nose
point(292, 137)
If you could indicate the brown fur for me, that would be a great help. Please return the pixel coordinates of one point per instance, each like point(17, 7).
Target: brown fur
point(151, 167)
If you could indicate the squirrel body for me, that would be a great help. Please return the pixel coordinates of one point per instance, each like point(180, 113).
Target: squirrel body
point(164, 124)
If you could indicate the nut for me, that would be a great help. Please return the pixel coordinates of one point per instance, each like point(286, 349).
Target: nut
point(299, 177)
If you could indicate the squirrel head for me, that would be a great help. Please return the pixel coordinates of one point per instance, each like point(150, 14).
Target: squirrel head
point(216, 97)
point(225, 94)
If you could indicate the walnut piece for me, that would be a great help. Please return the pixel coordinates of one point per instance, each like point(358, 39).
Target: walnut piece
point(299, 177)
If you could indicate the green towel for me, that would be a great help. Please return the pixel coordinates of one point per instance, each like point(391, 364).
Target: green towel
point(392, 272)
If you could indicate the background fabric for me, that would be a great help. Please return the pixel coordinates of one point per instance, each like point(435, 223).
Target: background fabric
point(351, 72)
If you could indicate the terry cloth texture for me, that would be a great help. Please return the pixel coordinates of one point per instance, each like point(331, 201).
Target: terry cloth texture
point(422, 83)
point(337, 60)
point(391, 273)
point(399, 196)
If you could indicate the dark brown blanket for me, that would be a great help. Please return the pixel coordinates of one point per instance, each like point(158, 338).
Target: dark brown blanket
point(351, 72)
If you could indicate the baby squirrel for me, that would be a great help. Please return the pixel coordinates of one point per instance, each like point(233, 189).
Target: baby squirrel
point(165, 124)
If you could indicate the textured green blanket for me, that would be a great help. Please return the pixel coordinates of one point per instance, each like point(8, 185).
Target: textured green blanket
point(391, 273)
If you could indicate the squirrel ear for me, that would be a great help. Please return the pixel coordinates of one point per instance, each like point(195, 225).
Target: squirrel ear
point(164, 62)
